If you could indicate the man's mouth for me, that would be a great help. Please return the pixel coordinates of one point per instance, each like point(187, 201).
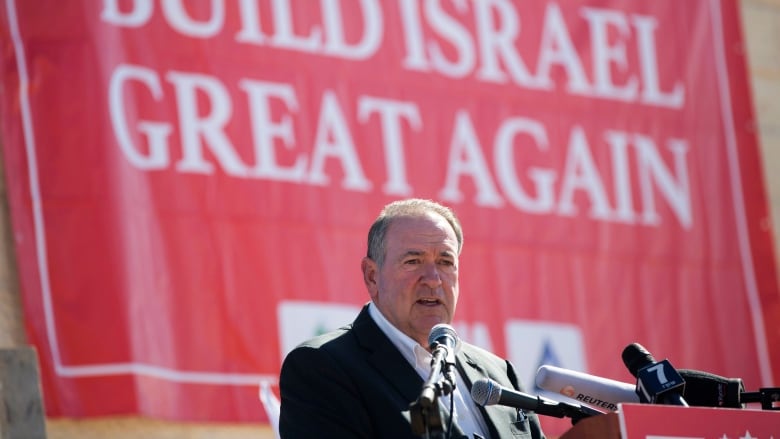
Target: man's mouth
point(428, 301)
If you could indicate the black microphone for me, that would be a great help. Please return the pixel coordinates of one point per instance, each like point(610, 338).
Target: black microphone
point(488, 392)
point(658, 382)
point(704, 389)
point(444, 344)
point(444, 337)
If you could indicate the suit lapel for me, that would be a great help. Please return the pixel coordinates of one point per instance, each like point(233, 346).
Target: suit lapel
point(383, 356)
point(471, 372)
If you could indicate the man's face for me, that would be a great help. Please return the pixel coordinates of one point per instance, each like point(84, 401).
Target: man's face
point(417, 285)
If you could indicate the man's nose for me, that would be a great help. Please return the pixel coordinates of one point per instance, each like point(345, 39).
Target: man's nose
point(430, 275)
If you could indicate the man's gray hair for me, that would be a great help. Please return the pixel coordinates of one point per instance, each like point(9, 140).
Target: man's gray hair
point(406, 208)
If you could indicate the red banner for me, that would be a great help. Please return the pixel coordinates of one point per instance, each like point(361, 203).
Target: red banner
point(668, 422)
point(191, 185)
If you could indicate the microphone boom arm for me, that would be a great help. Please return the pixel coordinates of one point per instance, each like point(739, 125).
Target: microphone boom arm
point(426, 418)
point(434, 388)
point(560, 409)
point(424, 412)
point(767, 396)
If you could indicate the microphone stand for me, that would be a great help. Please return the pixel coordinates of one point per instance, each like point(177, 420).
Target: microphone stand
point(767, 396)
point(425, 413)
point(564, 410)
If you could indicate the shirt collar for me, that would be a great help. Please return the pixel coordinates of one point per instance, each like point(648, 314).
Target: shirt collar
point(415, 354)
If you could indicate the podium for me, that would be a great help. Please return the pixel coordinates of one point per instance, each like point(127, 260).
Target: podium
point(641, 421)
point(604, 426)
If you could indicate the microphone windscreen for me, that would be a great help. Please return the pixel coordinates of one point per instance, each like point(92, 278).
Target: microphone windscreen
point(485, 392)
point(705, 389)
point(443, 331)
point(635, 357)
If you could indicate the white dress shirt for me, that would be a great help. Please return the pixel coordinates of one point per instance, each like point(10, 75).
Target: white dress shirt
point(466, 414)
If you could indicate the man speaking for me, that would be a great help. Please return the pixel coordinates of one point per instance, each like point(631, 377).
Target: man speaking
point(360, 381)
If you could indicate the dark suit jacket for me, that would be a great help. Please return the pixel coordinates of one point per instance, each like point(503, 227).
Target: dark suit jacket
point(354, 383)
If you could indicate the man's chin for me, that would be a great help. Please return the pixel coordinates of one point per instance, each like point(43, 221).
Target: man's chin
point(425, 323)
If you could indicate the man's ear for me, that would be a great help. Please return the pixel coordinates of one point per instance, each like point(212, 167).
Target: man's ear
point(369, 268)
